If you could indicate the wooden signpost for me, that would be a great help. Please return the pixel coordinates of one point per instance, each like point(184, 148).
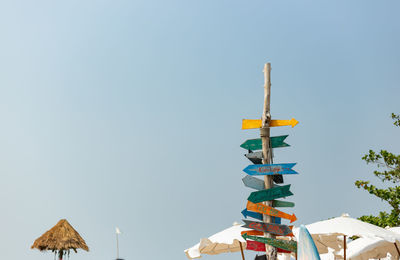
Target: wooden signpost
point(268, 210)
point(270, 194)
point(267, 192)
point(257, 123)
point(256, 144)
point(288, 245)
point(276, 229)
point(270, 169)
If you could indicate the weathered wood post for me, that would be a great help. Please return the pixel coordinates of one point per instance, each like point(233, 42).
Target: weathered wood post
point(267, 151)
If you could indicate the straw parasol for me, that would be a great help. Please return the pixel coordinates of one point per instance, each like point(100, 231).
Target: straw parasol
point(60, 239)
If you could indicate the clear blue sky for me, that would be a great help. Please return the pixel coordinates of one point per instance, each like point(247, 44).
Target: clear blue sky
point(128, 113)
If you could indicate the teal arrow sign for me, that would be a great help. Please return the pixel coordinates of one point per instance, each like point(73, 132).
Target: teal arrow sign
point(288, 245)
point(270, 194)
point(255, 144)
point(272, 228)
point(282, 204)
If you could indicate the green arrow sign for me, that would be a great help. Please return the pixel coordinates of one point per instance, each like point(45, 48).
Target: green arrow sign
point(270, 194)
point(288, 245)
point(255, 144)
point(282, 204)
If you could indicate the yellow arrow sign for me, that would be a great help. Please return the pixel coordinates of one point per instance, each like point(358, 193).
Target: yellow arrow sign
point(257, 123)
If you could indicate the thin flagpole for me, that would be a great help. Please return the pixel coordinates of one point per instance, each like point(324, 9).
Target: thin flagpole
point(116, 233)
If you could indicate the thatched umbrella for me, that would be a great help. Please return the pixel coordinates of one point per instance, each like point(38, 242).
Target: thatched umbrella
point(60, 239)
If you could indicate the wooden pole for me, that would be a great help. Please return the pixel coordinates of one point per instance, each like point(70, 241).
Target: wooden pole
point(267, 151)
point(397, 249)
point(344, 247)
point(241, 250)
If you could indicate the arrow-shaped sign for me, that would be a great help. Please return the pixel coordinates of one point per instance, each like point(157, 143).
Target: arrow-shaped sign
point(272, 228)
point(257, 184)
point(257, 123)
point(282, 204)
point(259, 216)
point(264, 209)
point(255, 157)
point(270, 194)
point(276, 220)
point(252, 214)
point(253, 182)
point(255, 246)
point(260, 247)
point(288, 245)
point(270, 169)
point(256, 144)
point(252, 233)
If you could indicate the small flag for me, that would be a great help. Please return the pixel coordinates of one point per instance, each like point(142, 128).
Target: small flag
point(117, 230)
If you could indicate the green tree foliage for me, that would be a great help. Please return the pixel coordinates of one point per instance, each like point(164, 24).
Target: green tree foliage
point(388, 165)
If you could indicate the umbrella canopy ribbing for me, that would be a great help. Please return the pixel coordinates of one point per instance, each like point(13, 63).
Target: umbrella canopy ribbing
point(222, 242)
point(366, 248)
point(62, 237)
point(330, 233)
point(376, 248)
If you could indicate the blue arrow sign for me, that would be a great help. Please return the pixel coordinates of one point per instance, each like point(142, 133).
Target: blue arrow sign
point(276, 220)
point(252, 214)
point(270, 169)
point(246, 213)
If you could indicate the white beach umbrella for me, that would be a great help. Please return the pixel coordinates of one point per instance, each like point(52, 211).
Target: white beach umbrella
point(228, 240)
point(332, 233)
point(372, 248)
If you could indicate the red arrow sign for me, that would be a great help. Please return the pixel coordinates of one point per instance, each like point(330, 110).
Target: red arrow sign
point(264, 209)
point(255, 246)
point(260, 247)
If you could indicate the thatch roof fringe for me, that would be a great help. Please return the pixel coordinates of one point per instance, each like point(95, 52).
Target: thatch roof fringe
point(61, 237)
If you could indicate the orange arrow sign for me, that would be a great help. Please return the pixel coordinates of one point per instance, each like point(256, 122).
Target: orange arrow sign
point(264, 209)
point(253, 233)
point(257, 123)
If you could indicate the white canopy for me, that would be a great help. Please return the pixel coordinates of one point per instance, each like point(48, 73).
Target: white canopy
point(376, 248)
point(329, 233)
point(222, 242)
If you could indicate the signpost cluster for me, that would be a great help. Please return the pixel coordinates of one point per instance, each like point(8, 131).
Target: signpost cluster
point(267, 234)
